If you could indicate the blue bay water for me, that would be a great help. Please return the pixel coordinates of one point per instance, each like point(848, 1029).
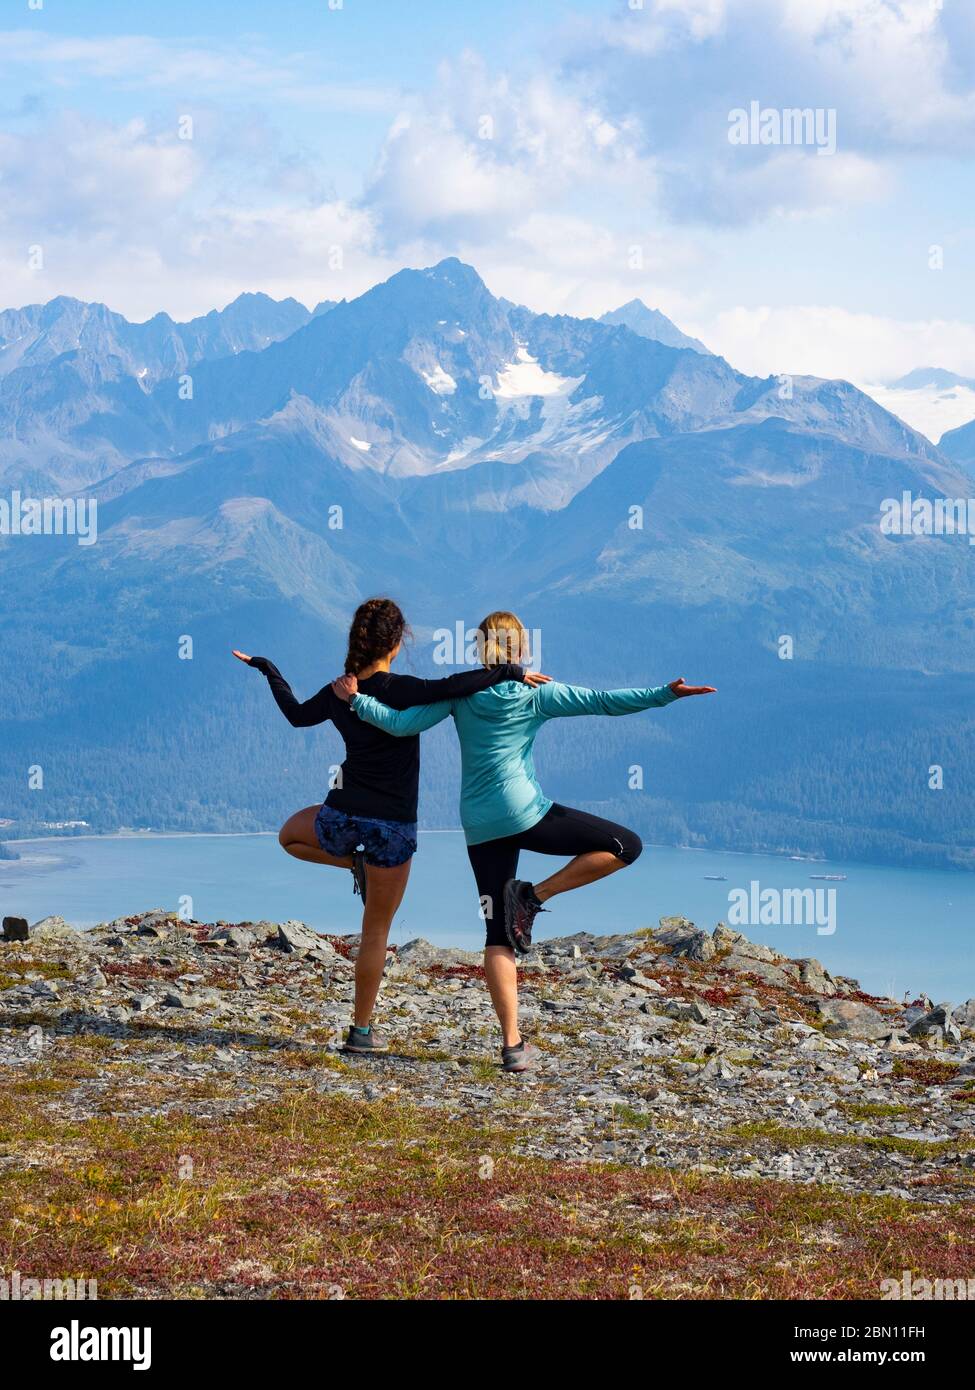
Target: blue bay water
point(897, 930)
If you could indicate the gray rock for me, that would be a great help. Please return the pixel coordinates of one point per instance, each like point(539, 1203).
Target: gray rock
point(637, 977)
point(727, 940)
point(761, 969)
point(937, 1025)
point(845, 1018)
point(423, 953)
point(683, 938)
point(181, 999)
point(53, 929)
point(964, 1015)
point(237, 938)
point(659, 1023)
point(815, 977)
point(157, 925)
point(296, 937)
point(142, 1003)
point(264, 932)
point(718, 1069)
point(685, 1010)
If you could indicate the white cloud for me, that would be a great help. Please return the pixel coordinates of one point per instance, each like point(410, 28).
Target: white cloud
point(81, 176)
point(474, 158)
point(889, 68)
point(142, 220)
point(139, 62)
point(822, 340)
point(930, 409)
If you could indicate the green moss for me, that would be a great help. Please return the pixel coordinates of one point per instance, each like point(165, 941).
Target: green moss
point(16, 972)
point(782, 1137)
point(39, 1086)
point(857, 1110)
point(633, 1119)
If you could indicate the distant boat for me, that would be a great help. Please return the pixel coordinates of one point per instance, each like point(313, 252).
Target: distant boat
point(830, 878)
point(717, 878)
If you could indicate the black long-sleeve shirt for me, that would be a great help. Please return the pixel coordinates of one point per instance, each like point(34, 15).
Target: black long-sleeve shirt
point(380, 776)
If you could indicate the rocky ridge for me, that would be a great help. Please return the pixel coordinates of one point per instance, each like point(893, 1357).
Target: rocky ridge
point(670, 1047)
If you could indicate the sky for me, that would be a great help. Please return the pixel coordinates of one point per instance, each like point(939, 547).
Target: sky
point(578, 154)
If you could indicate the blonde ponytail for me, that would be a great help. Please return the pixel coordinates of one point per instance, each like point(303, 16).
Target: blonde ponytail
point(502, 638)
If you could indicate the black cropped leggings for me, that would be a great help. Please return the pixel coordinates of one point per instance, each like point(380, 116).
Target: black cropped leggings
point(561, 831)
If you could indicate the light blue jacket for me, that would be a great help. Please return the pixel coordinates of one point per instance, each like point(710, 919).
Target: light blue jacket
point(499, 792)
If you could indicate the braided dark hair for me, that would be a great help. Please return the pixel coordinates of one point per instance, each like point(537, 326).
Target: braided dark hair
point(377, 627)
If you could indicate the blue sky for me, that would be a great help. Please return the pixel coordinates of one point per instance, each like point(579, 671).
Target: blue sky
point(332, 146)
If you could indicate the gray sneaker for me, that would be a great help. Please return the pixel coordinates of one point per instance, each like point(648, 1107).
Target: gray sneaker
point(521, 1058)
point(521, 907)
point(363, 1041)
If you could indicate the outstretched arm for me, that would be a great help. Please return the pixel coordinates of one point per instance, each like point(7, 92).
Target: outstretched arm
point(301, 714)
point(556, 701)
point(401, 722)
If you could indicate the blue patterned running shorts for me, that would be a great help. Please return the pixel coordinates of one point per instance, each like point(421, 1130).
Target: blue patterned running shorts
point(385, 843)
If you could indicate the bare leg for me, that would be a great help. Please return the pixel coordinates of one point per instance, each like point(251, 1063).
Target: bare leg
point(298, 837)
point(585, 868)
point(502, 982)
point(384, 893)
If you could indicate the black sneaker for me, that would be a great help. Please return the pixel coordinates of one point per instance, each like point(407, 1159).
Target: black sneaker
point(522, 1057)
point(359, 874)
point(521, 907)
point(363, 1041)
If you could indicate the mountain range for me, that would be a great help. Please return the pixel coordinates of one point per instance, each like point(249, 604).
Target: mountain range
point(653, 512)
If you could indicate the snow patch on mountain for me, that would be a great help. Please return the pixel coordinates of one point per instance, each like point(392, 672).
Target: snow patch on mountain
point(526, 377)
point(439, 381)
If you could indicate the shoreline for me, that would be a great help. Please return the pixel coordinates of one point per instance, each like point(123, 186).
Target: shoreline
point(143, 835)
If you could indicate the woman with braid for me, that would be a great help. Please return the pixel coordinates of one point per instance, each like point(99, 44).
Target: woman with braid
point(503, 809)
point(367, 823)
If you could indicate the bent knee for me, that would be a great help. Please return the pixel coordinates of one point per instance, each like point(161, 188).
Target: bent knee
point(630, 846)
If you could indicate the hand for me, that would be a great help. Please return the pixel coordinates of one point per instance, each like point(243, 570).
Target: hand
point(536, 678)
point(242, 656)
point(345, 687)
point(680, 689)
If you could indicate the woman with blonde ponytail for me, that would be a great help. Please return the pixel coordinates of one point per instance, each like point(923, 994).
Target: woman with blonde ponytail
point(503, 809)
point(367, 822)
